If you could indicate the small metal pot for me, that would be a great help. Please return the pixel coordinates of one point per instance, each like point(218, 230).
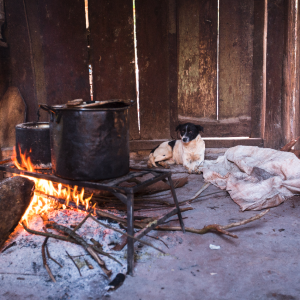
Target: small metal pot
point(33, 140)
point(90, 143)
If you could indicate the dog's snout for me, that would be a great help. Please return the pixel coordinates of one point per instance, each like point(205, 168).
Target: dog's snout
point(185, 139)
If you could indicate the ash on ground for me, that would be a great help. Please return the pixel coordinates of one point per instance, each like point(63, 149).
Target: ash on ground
point(22, 271)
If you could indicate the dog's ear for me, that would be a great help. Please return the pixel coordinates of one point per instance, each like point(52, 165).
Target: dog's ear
point(200, 128)
point(178, 127)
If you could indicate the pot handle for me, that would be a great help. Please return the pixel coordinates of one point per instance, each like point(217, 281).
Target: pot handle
point(47, 108)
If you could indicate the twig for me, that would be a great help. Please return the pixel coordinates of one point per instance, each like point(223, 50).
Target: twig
point(88, 264)
point(82, 242)
point(9, 246)
point(203, 188)
point(67, 239)
point(55, 236)
point(48, 253)
point(157, 238)
point(215, 227)
point(247, 220)
point(45, 260)
point(289, 145)
point(50, 257)
point(73, 262)
point(81, 223)
point(205, 229)
point(128, 235)
point(96, 243)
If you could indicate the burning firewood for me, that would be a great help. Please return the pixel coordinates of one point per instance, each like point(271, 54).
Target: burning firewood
point(15, 196)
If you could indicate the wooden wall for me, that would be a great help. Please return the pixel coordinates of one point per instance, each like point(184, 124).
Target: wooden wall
point(197, 58)
point(47, 43)
point(176, 42)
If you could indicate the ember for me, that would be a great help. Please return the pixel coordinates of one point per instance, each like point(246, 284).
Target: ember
point(41, 204)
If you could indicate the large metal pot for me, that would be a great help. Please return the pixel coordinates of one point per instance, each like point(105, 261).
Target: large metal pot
point(89, 143)
point(33, 140)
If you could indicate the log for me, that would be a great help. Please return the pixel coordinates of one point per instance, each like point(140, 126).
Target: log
point(15, 196)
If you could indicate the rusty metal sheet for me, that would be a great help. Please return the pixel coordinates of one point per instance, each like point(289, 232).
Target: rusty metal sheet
point(112, 53)
point(21, 57)
point(275, 53)
point(236, 58)
point(62, 26)
point(197, 58)
point(152, 43)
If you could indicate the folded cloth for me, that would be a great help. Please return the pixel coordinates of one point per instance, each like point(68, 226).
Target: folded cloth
point(256, 178)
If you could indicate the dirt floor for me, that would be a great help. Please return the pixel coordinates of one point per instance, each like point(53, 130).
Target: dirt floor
point(262, 263)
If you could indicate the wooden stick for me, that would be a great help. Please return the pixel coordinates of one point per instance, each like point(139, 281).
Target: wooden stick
point(45, 260)
point(88, 264)
point(203, 188)
point(68, 239)
point(128, 235)
point(205, 229)
point(215, 227)
point(73, 262)
point(289, 145)
point(157, 238)
point(256, 217)
point(82, 222)
point(48, 253)
point(50, 257)
point(55, 236)
point(81, 241)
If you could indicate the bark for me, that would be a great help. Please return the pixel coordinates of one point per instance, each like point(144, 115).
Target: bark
point(15, 196)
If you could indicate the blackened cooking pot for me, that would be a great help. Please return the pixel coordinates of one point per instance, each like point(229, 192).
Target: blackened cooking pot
point(90, 143)
point(33, 140)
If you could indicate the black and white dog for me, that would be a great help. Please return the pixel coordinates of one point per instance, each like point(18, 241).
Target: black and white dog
point(189, 151)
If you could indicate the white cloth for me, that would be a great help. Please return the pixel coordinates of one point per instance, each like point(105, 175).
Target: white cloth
point(256, 178)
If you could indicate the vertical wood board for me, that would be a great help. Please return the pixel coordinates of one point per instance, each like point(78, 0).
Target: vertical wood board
point(236, 58)
point(152, 44)
point(173, 78)
point(21, 59)
point(275, 53)
point(257, 105)
point(65, 50)
point(290, 96)
point(197, 58)
point(112, 53)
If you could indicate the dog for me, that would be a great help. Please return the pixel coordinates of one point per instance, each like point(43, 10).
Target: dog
point(188, 151)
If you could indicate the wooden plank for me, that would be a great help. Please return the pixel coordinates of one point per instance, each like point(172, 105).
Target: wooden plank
point(152, 41)
point(12, 112)
point(233, 127)
point(173, 78)
point(209, 143)
point(4, 70)
point(21, 55)
point(290, 96)
point(236, 50)
point(112, 53)
point(65, 50)
point(197, 62)
point(275, 52)
point(257, 103)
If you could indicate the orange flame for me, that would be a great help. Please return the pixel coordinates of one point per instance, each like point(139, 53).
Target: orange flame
point(41, 204)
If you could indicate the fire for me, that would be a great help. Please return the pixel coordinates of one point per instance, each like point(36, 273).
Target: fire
point(41, 204)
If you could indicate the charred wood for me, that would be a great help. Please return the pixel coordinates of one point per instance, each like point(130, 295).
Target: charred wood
point(15, 196)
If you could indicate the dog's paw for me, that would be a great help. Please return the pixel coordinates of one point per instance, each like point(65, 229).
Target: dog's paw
point(164, 164)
